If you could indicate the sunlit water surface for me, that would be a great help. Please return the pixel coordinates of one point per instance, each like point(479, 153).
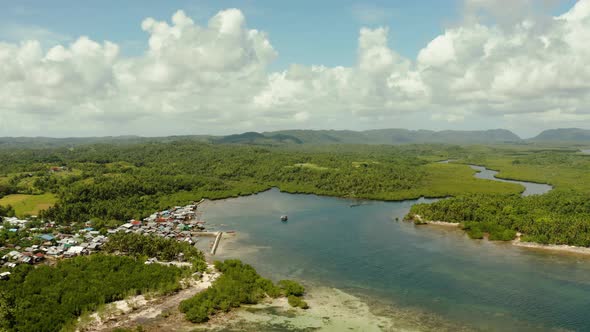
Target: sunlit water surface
point(364, 250)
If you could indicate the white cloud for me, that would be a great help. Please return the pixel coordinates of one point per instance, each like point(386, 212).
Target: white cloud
point(216, 79)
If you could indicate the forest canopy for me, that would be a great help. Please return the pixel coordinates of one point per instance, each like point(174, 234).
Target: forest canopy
point(46, 298)
point(110, 183)
point(559, 217)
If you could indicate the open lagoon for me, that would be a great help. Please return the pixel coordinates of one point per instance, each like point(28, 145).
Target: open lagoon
point(437, 270)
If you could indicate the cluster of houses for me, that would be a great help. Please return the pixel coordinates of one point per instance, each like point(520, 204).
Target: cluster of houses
point(85, 242)
point(14, 223)
point(180, 223)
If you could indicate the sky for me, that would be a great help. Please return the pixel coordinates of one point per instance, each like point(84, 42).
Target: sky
point(157, 68)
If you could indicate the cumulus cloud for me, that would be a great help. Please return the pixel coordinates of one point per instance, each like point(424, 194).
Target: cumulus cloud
point(205, 75)
point(215, 78)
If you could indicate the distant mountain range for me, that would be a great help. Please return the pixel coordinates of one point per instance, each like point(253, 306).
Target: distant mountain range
point(394, 136)
point(378, 136)
point(405, 136)
point(563, 135)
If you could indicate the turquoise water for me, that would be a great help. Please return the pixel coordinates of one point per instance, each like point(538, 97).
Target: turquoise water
point(436, 270)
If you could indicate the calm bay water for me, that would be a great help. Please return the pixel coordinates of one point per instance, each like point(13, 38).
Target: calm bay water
point(364, 250)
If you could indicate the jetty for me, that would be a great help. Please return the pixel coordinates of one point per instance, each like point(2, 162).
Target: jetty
point(216, 243)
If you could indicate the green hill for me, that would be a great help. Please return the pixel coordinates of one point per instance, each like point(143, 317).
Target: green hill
point(563, 135)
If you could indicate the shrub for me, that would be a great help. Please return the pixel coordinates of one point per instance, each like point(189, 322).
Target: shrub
point(239, 284)
point(291, 287)
point(297, 302)
point(503, 235)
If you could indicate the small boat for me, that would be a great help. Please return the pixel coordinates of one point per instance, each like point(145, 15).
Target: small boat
point(284, 218)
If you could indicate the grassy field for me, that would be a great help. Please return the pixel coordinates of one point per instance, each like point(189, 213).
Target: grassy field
point(28, 204)
point(441, 180)
point(454, 179)
point(563, 169)
point(444, 180)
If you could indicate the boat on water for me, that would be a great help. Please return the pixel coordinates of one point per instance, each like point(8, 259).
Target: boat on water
point(284, 218)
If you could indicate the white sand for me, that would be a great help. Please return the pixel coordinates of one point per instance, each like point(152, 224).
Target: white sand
point(443, 223)
point(553, 247)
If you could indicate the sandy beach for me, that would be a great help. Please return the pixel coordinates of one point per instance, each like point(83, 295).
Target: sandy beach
point(443, 223)
point(553, 247)
point(433, 222)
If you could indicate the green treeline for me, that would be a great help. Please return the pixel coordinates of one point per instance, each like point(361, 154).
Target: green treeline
point(239, 284)
point(151, 246)
point(110, 183)
point(6, 211)
point(45, 298)
point(120, 182)
point(558, 217)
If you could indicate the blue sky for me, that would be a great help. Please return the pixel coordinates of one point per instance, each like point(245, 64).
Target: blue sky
point(305, 32)
point(395, 86)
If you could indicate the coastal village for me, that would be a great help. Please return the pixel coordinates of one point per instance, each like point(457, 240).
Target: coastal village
point(53, 242)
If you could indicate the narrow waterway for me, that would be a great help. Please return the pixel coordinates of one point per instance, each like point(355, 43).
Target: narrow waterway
point(530, 188)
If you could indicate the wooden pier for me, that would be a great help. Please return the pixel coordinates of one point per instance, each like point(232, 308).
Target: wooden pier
point(216, 243)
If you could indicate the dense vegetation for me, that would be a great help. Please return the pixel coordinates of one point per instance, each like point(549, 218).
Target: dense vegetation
point(138, 245)
point(239, 284)
point(6, 211)
point(559, 217)
point(120, 182)
point(47, 298)
point(110, 183)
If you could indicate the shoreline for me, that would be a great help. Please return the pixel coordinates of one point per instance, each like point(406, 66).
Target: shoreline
point(561, 248)
point(442, 223)
point(331, 309)
point(312, 193)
